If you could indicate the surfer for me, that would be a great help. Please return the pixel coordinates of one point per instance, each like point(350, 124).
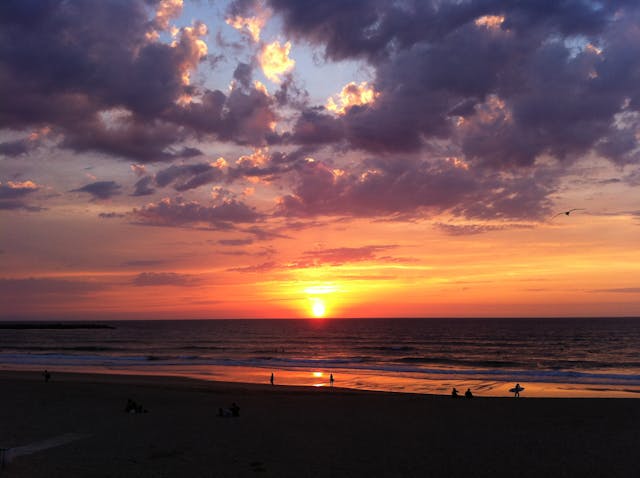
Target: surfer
point(516, 390)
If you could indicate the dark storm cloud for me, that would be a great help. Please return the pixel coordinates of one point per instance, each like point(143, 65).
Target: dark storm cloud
point(179, 213)
point(87, 69)
point(152, 279)
point(100, 189)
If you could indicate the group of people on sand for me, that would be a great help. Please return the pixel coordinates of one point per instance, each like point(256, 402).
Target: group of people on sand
point(516, 392)
point(232, 411)
point(134, 407)
point(467, 394)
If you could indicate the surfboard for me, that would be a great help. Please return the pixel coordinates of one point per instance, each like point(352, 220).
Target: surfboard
point(514, 389)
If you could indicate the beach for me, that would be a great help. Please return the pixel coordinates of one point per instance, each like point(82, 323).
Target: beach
point(75, 426)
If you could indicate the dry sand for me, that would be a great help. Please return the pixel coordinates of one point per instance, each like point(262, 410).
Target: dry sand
point(303, 432)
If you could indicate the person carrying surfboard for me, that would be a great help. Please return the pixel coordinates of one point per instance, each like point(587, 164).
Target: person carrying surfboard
point(516, 390)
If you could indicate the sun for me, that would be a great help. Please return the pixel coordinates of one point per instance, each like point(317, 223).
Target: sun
point(318, 309)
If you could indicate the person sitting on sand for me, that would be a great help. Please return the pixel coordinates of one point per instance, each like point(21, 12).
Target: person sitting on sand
point(46, 375)
point(133, 407)
point(454, 393)
point(232, 411)
point(468, 394)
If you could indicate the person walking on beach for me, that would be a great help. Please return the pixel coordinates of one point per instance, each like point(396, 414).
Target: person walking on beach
point(271, 380)
point(331, 380)
point(468, 394)
point(46, 375)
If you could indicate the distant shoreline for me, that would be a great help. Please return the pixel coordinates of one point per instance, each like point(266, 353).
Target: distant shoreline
point(53, 325)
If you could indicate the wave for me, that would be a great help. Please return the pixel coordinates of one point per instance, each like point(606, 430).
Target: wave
point(482, 369)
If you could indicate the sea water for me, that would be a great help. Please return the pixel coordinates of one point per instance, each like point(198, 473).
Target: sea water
point(549, 357)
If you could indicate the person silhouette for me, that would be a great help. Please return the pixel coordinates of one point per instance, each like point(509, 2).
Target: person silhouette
point(331, 380)
point(46, 375)
point(454, 393)
point(468, 393)
point(516, 390)
point(271, 380)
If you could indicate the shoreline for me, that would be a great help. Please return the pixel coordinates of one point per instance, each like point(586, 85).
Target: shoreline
point(75, 425)
point(364, 380)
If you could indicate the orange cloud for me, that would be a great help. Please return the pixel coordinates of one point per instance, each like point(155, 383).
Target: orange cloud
point(274, 60)
point(490, 22)
point(352, 95)
point(250, 26)
point(192, 49)
point(167, 9)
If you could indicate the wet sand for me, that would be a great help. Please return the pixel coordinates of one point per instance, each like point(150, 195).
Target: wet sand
point(75, 426)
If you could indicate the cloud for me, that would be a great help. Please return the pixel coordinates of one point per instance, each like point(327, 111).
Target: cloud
point(235, 242)
point(153, 279)
point(417, 188)
point(264, 267)
point(36, 286)
point(185, 177)
point(111, 215)
point(179, 213)
point(252, 20)
point(12, 194)
point(17, 189)
point(274, 60)
point(16, 148)
point(621, 290)
point(343, 255)
point(143, 186)
point(473, 229)
point(100, 189)
point(352, 94)
point(506, 82)
point(117, 89)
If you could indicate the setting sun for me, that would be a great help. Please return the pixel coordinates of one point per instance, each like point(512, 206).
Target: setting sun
point(318, 308)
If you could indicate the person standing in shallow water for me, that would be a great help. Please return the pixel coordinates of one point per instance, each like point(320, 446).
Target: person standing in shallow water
point(271, 379)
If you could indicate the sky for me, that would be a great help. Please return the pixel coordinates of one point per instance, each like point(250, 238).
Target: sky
point(345, 158)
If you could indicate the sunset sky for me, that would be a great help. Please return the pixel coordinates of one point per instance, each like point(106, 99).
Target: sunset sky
point(360, 158)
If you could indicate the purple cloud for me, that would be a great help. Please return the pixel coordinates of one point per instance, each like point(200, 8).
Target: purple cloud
point(153, 279)
point(100, 189)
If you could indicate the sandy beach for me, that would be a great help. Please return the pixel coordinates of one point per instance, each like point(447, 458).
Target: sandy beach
point(75, 426)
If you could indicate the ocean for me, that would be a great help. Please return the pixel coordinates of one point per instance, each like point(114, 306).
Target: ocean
point(594, 357)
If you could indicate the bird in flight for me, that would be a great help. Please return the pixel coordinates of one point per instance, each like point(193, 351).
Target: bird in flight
point(566, 213)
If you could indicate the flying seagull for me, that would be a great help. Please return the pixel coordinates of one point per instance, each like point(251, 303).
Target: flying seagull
point(569, 211)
